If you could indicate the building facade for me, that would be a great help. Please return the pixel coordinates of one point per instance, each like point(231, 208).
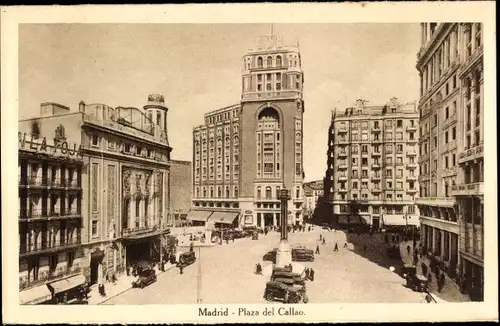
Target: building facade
point(313, 191)
point(124, 180)
point(450, 63)
point(244, 154)
point(50, 216)
point(180, 198)
point(372, 173)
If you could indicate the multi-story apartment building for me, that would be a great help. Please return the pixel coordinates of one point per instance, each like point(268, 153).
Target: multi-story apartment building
point(244, 154)
point(372, 174)
point(180, 199)
point(124, 179)
point(451, 124)
point(313, 191)
point(50, 216)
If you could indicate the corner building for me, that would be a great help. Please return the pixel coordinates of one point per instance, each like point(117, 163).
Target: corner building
point(124, 179)
point(450, 62)
point(372, 173)
point(246, 153)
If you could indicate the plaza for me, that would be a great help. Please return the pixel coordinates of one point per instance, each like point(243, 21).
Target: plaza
point(228, 275)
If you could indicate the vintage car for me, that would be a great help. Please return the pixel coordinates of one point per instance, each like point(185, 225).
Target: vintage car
point(302, 254)
point(144, 277)
point(255, 235)
point(186, 259)
point(417, 283)
point(295, 277)
point(270, 256)
point(288, 293)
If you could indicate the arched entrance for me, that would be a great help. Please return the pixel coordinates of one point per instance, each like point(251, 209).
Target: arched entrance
point(96, 258)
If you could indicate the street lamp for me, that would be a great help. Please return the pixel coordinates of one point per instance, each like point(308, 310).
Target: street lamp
point(284, 253)
point(198, 278)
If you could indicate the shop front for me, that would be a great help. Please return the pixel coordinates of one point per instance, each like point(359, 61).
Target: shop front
point(198, 217)
point(143, 247)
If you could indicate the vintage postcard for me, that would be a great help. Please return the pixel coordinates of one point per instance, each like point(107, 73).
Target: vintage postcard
point(249, 163)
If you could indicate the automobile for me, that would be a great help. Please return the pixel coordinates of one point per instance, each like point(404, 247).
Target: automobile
point(186, 259)
point(417, 283)
point(288, 293)
point(255, 236)
point(270, 256)
point(145, 277)
point(302, 254)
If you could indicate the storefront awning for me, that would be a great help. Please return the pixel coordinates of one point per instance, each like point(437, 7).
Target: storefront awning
point(67, 284)
point(223, 217)
point(399, 220)
point(201, 216)
point(35, 295)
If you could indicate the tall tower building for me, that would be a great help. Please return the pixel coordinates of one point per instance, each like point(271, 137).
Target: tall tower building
point(372, 166)
point(259, 140)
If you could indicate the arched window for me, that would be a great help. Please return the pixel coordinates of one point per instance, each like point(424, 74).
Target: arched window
point(290, 63)
point(269, 193)
point(297, 137)
point(236, 192)
point(259, 194)
point(204, 192)
point(227, 192)
point(269, 61)
point(211, 192)
point(259, 62)
point(219, 192)
point(248, 66)
point(197, 192)
point(60, 134)
point(278, 61)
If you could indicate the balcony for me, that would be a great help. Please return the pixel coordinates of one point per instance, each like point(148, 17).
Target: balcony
point(376, 129)
point(412, 190)
point(468, 189)
point(342, 130)
point(342, 178)
point(376, 190)
point(342, 166)
point(376, 177)
point(45, 247)
point(342, 154)
point(411, 154)
point(140, 232)
point(376, 153)
point(343, 190)
point(436, 201)
point(375, 166)
point(412, 140)
point(343, 141)
point(399, 164)
point(412, 178)
point(471, 154)
point(412, 165)
point(411, 128)
point(44, 214)
point(36, 181)
point(50, 276)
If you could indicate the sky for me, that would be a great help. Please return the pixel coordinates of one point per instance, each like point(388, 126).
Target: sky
point(197, 67)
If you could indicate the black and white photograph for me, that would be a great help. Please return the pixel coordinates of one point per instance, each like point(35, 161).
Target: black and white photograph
point(251, 170)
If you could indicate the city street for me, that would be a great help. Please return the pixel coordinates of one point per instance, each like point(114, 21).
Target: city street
point(228, 275)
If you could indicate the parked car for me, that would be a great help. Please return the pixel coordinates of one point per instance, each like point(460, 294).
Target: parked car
point(270, 256)
point(302, 254)
point(288, 293)
point(145, 277)
point(186, 259)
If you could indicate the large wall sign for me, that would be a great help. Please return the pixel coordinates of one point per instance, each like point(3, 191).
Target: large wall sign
point(30, 143)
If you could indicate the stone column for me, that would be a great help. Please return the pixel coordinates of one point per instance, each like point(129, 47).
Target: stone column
point(274, 219)
point(441, 244)
point(473, 107)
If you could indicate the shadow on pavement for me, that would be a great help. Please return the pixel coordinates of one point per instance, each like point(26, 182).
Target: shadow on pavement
point(376, 249)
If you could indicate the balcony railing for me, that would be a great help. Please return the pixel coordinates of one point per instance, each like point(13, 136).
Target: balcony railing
point(376, 153)
point(342, 154)
point(412, 178)
point(375, 166)
point(342, 166)
point(43, 213)
point(44, 247)
point(342, 177)
point(436, 201)
point(49, 276)
point(269, 94)
point(376, 129)
point(411, 153)
point(37, 181)
point(411, 128)
point(468, 189)
point(139, 230)
point(376, 177)
point(342, 129)
point(471, 154)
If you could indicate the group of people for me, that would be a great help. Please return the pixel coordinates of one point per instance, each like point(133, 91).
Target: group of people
point(323, 242)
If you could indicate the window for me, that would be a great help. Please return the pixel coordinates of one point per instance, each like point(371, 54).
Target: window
point(138, 150)
point(389, 184)
point(33, 267)
point(269, 193)
point(399, 185)
point(53, 260)
point(278, 61)
point(399, 123)
point(446, 137)
point(435, 120)
point(453, 133)
point(94, 228)
point(446, 162)
point(355, 185)
point(269, 61)
point(259, 194)
point(388, 173)
point(446, 112)
point(236, 192)
point(259, 62)
point(364, 162)
point(364, 185)
point(95, 140)
point(453, 159)
point(435, 141)
point(297, 192)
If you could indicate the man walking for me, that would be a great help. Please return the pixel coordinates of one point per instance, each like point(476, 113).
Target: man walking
point(336, 248)
point(317, 250)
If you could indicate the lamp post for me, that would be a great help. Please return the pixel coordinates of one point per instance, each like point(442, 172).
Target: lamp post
point(284, 253)
point(198, 278)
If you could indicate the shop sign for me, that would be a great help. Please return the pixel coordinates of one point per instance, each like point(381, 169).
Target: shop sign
point(28, 142)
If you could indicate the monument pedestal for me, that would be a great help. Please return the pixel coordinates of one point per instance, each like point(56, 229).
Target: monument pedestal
point(283, 254)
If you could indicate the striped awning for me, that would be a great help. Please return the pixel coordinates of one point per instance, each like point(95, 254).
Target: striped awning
point(201, 216)
point(399, 220)
point(35, 295)
point(224, 217)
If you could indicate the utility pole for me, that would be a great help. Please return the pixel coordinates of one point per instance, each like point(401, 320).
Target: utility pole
point(198, 283)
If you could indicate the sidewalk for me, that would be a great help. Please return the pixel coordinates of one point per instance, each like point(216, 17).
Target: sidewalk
point(123, 284)
point(450, 291)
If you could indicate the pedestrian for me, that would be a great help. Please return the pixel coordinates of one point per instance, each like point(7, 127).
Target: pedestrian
point(232, 238)
point(441, 282)
point(364, 247)
point(320, 237)
point(345, 245)
point(429, 277)
point(408, 249)
point(191, 247)
point(311, 275)
point(336, 248)
point(324, 241)
point(181, 269)
point(317, 250)
point(307, 273)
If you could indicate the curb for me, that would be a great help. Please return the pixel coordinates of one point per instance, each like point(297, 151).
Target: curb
point(130, 287)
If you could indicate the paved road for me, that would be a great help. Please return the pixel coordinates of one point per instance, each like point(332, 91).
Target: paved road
point(343, 277)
